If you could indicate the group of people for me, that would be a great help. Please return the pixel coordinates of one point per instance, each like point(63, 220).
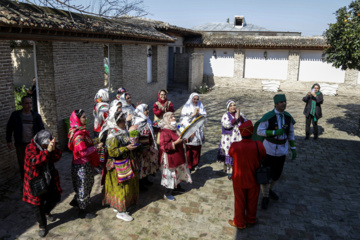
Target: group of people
point(244, 147)
point(128, 147)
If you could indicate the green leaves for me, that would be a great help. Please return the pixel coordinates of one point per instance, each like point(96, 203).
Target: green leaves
point(19, 92)
point(343, 38)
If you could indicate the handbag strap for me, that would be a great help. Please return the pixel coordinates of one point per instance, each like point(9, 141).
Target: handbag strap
point(257, 148)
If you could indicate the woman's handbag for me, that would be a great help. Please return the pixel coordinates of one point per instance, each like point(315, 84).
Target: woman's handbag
point(262, 174)
point(123, 170)
point(38, 184)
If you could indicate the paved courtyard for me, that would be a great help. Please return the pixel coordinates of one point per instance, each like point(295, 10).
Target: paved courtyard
point(319, 191)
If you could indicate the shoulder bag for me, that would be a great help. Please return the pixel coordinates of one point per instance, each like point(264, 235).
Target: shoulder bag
point(38, 184)
point(262, 174)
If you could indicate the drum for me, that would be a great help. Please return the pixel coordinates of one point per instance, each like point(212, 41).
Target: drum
point(192, 127)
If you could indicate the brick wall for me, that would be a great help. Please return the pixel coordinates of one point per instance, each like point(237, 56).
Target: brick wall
point(116, 67)
point(135, 72)
point(8, 162)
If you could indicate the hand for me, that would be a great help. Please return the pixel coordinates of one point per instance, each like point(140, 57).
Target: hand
point(99, 145)
point(133, 127)
point(138, 103)
point(308, 93)
point(293, 151)
point(51, 146)
point(279, 132)
point(314, 94)
point(196, 111)
point(129, 117)
point(10, 145)
point(179, 140)
point(131, 147)
point(192, 135)
point(237, 114)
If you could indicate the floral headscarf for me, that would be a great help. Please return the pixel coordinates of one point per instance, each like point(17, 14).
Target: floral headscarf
point(229, 103)
point(101, 107)
point(166, 124)
point(141, 120)
point(102, 96)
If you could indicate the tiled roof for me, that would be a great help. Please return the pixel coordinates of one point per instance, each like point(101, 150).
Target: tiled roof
point(228, 27)
point(27, 19)
point(210, 40)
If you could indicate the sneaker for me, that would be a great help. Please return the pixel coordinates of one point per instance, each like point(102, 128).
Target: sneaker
point(316, 137)
point(273, 195)
point(115, 210)
point(124, 216)
point(265, 203)
point(50, 217)
point(169, 197)
point(42, 232)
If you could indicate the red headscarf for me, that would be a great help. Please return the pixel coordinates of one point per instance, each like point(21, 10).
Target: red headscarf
point(76, 128)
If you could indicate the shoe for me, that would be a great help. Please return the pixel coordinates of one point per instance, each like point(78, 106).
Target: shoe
point(315, 137)
point(231, 222)
point(115, 210)
point(273, 195)
point(179, 189)
point(249, 225)
point(89, 215)
point(169, 197)
point(50, 217)
point(42, 232)
point(124, 216)
point(306, 138)
point(74, 203)
point(265, 203)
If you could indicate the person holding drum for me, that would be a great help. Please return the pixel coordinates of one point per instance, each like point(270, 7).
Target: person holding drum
point(193, 109)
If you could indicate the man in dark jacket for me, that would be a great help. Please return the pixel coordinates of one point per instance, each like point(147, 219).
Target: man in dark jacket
point(24, 124)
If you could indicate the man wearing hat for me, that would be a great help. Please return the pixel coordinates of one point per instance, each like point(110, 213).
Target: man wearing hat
point(246, 155)
point(276, 130)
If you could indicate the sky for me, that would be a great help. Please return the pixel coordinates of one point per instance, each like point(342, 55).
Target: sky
point(310, 17)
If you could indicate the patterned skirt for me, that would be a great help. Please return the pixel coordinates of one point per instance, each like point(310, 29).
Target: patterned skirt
point(171, 177)
point(148, 159)
point(120, 195)
point(83, 181)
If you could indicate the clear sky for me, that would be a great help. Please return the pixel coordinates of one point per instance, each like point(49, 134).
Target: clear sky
point(310, 17)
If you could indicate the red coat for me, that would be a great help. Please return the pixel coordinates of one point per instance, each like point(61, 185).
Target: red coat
point(41, 157)
point(245, 162)
point(176, 156)
point(168, 106)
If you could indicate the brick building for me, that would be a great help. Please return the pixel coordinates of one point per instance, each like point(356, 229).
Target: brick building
point(69, 63)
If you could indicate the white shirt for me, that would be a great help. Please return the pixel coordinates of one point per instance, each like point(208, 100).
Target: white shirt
point(276, 149)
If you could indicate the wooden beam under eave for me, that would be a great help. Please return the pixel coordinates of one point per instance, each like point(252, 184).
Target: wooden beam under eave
point(38, 37)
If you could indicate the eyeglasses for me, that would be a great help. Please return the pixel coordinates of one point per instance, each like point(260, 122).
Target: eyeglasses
point(196, 99)
point(162, 94)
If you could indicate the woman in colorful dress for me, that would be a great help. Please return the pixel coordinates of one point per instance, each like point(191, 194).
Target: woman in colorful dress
point(192, 109)
point(122, 178)
point(230, 121)
point(85, 157)
point(148, 150)
point(174, 167)
point(162, 105)
point(40, 156)
point(101, 109)
point(312, 110)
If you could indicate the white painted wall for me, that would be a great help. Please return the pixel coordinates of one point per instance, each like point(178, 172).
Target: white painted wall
point(222, 65)
point(313, 69)
point(274, 67)
point(358, 81)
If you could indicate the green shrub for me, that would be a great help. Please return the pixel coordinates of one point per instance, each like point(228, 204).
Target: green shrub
point(203, 89)
point(19, 92)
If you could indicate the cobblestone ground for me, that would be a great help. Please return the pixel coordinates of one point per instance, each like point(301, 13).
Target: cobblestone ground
point(319, 191)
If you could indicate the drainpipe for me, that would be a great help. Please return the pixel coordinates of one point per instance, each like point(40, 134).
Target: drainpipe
point(36, 76)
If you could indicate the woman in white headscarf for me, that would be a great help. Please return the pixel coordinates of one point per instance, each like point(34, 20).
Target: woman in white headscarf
point(230, 121)
point(192, 109)
point(127, 107)
point(101, 109)
point(148, 151)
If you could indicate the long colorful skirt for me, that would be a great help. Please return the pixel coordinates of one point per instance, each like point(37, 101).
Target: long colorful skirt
point(83, 181)
point(120, 195)
point(148, 159)
point(171, 177)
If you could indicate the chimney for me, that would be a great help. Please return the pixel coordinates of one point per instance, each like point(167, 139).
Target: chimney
point(227, 20)
point(239, 21)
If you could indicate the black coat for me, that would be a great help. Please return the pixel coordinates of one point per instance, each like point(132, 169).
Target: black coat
point(319, 100)
point(15, 125)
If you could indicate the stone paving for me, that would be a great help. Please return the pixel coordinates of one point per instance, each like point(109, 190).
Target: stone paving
point(319, 191)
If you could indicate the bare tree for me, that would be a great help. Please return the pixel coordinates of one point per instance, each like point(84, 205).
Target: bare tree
point(100, 8)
